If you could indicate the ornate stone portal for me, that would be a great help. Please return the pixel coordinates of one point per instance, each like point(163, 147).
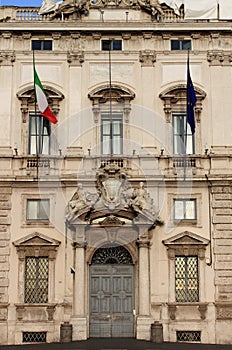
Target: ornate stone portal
point(115, 214)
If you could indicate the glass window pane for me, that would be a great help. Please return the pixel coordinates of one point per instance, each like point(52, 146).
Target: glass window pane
point(178, 210)
point(106, 145)
point(43, 212)
point(47, 45)
point(116, 127)
point(105, 45)
point(36, 45)
point(106, 127)
point(175, 45)
point(117, 145)
point(190, 210)
point(31, 210)
point(186, 44)
point(117, 44)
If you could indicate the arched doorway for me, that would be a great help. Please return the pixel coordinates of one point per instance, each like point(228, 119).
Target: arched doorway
point(111, 299)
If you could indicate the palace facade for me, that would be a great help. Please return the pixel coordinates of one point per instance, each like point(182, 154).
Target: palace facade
point(117, 220)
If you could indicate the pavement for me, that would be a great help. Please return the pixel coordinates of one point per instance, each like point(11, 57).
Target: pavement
point(116, 344)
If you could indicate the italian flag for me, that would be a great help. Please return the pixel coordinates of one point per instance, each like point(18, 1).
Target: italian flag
point(41, 99)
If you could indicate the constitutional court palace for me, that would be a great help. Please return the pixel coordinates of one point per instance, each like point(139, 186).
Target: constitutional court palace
point(117, 218)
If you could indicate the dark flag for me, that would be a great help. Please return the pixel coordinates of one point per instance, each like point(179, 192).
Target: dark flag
point(191, 100)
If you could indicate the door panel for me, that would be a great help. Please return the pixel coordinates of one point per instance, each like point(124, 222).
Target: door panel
point(111, 301)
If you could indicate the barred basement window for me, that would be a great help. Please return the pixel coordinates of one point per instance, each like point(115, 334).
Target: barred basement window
point(34, 337)
point(186, 279)
point(188, 336)
point(36, 280)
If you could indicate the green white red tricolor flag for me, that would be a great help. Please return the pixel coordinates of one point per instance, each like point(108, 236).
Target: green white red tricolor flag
point(41, 99)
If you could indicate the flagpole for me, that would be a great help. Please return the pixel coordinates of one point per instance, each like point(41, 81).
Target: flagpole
point(110, 86)
point(186, 119)
point(36, 126)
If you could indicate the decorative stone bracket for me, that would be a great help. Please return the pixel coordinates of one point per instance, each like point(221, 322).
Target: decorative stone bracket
point(7, 58)
point(147, 58)
point(75, 58)
point(172, 308)
point(219, 58)
point(21, 310)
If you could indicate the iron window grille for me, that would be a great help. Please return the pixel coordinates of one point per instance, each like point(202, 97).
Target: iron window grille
point(185, 209)
point(188, 336)
point(181, 45)
point(34, 337)
point(186, 279)
point(36, 280)
point(38, 209)
point(112, 255)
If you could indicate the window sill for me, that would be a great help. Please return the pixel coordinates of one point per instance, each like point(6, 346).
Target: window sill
point(202, 308)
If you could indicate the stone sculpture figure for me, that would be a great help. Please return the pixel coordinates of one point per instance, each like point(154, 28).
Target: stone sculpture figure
point(64, 7)
point(77, 203)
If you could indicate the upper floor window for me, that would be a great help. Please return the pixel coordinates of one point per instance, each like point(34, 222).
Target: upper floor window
point(186, 279)
point(183, 140)
point(36, 280)
point(111, 133)
point(181, 45)
point(38, 209)
point(41, 45)
point(113, 45)
point(185, 209)
point(39, 134)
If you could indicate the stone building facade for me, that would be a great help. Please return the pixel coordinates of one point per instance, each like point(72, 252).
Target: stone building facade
point(108, 225)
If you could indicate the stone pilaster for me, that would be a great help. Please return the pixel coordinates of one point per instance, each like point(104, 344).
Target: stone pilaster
point(5, 219)
point(79, 319)
point(144, 319)
point(222, 223)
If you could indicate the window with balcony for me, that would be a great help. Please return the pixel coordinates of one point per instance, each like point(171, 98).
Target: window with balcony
point(38, 209)
point(180, 138)
point(111, 133)
point(186, 279)
point(45, 45)
point(183, 140)
point(39, 134)
point(185, 209)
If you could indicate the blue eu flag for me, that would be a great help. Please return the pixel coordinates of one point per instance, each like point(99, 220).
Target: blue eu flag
point(191, 100)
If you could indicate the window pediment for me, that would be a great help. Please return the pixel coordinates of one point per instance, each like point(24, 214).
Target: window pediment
point(116, 92)
point(186, 243)
point(36, 239)
point(186, 237)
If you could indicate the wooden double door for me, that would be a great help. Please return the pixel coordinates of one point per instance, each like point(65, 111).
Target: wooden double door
point(111, 300)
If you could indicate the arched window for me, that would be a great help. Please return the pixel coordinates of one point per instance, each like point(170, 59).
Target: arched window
point(111, 109)
point(37, 129)
point(174, 99)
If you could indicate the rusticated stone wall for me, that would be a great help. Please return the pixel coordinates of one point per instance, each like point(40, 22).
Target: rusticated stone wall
point(5, 220)
point(222, 234)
